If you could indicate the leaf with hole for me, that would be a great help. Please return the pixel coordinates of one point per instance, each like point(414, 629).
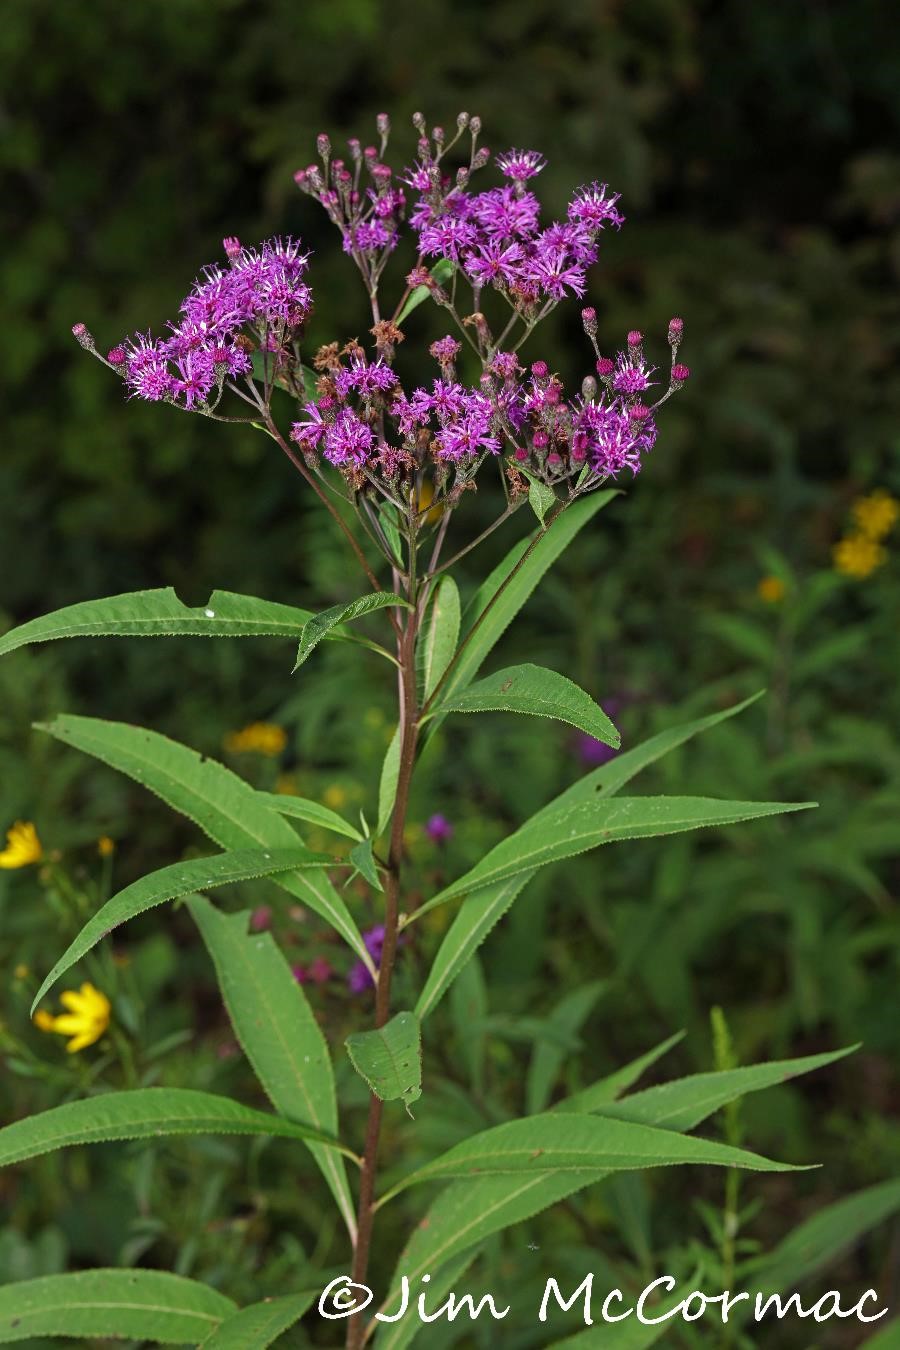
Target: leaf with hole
point(390, 1059)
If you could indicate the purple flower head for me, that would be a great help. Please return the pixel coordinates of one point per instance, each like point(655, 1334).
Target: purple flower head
point(632, 376)
point(520, 164)
point(610, 439)
point(348, 440)
point(592, 752)
point(447, 237)
point(506, 215)
point(309, 433)
point(439, 829)
point(554, 270)
point(506, 365)
point(370, 236)
point(195, 379)
point(494, 262)
point(359, 979)
point(445, 350)
point(365, 378)
point(147, 369)
point(594, 207)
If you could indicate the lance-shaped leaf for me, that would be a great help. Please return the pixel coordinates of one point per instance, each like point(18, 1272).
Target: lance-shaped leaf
point(363, 859)
point(301, 808)
point(397, 1335)
point(441, 272)
point(140, 1305)
point(566, 1020)
point(440, 635)
point(145, 1113)
point(606, 781)
point(467, 1212)
point(320, 625)
point(159, 613)
point(170, 883)
point(541, 498)
point(565, 832)
point(390, 1059)
point(683, 1103)
point(498, 601)
point(543, 1143)
point(605, 1090)
point(538, 692)
point(477, 916)
point(278, 1033)
point(257, 1326)
point(222, 804)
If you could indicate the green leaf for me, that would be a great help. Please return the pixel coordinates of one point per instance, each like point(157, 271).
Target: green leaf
point(363, 859)
point(822, 1238)
point(567, 1019)
point(260, 1324)
point(606, 781)
point(442, 272)
point(537, 692)
point(685, 1102)
point(222, 804)
point(160, 613)
point(543, 1144)
point(144, 1113)
point(397, 1335)
point(390, 1059)
point(172, 882)
point(541, 498)
point(439, 637)
point(506, 590)
point(278, 1033)
point(595, 1097)
point(141, 1305)
point(888, 1338)
point(387, 787)
point(300, 808)
point(477, 916)
point(320, 625)
point(575, 829)
point(387, 519)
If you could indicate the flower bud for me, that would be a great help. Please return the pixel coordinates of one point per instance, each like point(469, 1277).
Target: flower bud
point(589, 388)
point(605, 367)
point(481, 158)
point(589, 319)
point(676, 328)
point(323, 145)
point(680, 374)
point(462, 121)
point(116, 357)
point(462, 177)
point(232, 245)
point(383, 124)
point(83, 337)
point(638, 411)
point(540, 370)
point(521, 455)
point(418, 122)
point(475, 125)
point(635, 338)
point(437, 135)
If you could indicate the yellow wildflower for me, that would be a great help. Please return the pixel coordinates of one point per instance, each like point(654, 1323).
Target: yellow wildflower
point(265, 738)
point(86, 1020)
point(21, 971)
point(876, 514)
point(106, 847)
point(22, 846)
point(286, 785)
point(772, 590)
point(335, 797)
point(858, 555)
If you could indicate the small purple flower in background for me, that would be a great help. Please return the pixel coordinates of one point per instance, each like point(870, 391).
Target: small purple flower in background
point(439, 829)
point(318, 971)
point(359, 979)
point(261, 919)
point(592, 752)
point(521, 164)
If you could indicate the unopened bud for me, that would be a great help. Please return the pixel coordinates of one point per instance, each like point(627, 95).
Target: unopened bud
point(323, 145)
point(232, 245)
point(588, 388)
point(540, 370)
point(589, 319)
point(116, 356)
point(462, 177)
point(382, 124)
point(638, 411)
point(462, 120)
point(418, 122)
point(540, 440)
point(635, 338)
point(676, 328)
point(481, 158)
point(680, 374)
point(83, 337)
point(605, 367)
point(437, 135)
point(475, 125)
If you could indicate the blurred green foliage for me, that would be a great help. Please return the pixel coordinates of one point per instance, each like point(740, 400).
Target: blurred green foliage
point(755, 148)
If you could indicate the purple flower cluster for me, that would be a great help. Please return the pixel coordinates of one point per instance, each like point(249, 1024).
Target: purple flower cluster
point(359, 979)
point(496, 237)
point(262, 290)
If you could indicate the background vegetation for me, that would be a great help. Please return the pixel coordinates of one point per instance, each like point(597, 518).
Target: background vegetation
point(755, 149)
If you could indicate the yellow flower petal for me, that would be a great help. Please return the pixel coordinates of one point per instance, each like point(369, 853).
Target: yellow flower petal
point(22, 846)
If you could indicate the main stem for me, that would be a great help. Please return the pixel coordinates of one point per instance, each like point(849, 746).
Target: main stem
point(409, 712)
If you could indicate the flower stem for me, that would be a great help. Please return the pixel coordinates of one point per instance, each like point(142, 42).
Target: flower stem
point(409, 730)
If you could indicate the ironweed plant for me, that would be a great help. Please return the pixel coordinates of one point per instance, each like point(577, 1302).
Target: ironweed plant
point(394, 467)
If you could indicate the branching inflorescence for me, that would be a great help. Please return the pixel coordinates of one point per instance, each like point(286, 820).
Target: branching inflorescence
point(240, 331)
